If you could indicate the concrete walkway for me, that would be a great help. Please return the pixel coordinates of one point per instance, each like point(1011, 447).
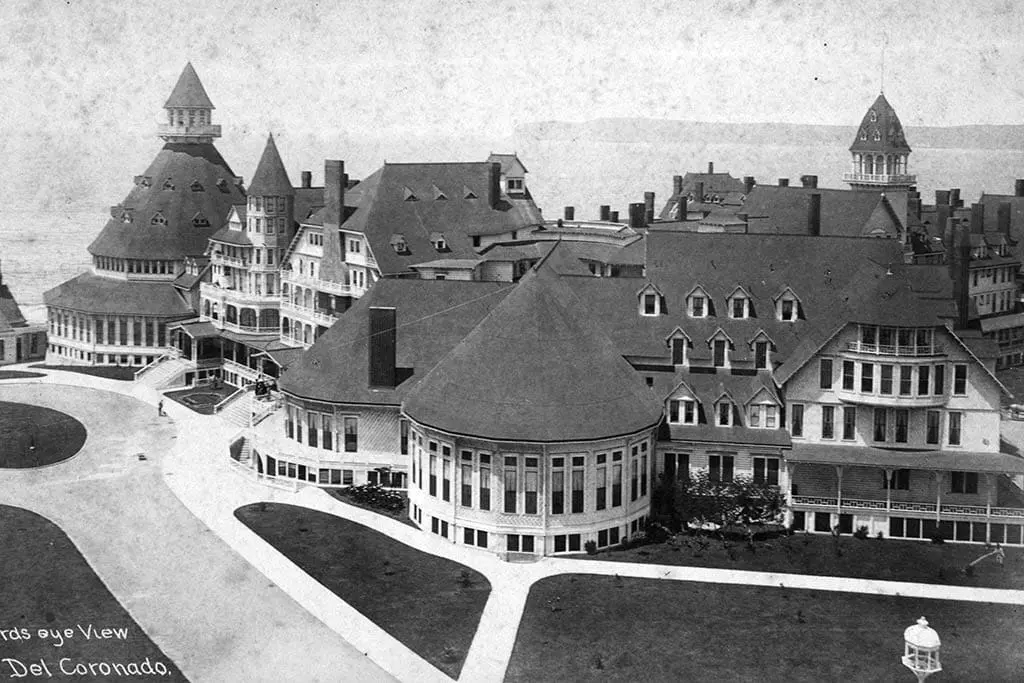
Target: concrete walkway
point(197, 472)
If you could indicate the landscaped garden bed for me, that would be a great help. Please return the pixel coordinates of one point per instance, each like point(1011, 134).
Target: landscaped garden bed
point(19, 374)
point(870, 558)
point(33, 436)
point(50, 599)
point(376, 498)
point(583, 627)
point(202, 399)
point(121, 373)
point(430, 604)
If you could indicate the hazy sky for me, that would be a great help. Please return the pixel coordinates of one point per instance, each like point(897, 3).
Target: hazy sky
point(380, 69)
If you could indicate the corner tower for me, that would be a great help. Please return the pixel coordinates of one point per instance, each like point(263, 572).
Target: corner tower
point(189, 111)
point(880, 151)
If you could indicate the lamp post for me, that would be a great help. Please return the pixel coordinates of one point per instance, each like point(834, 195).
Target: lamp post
point(921, 650)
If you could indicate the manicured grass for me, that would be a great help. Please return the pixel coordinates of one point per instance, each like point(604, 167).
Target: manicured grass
point(583, 627)
point(19, 374)
point(886, 559)
point(430, 604)
point(32, 436)
point(122, 373)
point(202, 399)
point(49, 585)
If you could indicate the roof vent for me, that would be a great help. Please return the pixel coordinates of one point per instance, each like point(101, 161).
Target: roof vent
point(438, 194)
point(222, 185)
point(158, 219)
point(200, 221)
point(169, 184)
point(468, 193)
point(399, 244)
point(410, 196)
point(197, 186)
point(143, 180)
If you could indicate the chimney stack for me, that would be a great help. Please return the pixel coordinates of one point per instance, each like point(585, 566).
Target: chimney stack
point(605, 212)
point(613, 216)
point(748, 184)
point(648, 208)
point(814, 214)
point(810, 181)
point(570, 213)
point(681, 208)
point(1018, 187)
point(977, 218)
point(698, 192)
point(332, 265)
point(954, 198)
point(711, 168)
point(307, 179)
point(677, 184)
point(961, 271)
point(1003, 218)
point(382, 347)
point(783, 182)
point(638, 215)
point(494, 187)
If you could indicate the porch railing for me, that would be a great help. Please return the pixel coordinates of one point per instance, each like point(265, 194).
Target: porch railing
point(908, 506)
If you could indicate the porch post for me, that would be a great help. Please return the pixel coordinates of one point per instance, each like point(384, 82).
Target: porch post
point(990, 480)
point(888, 490)
point(790, 469)
point(839, 488)
point(938, 494)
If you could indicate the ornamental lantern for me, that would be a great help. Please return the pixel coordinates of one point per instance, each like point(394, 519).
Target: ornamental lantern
point(921, 650)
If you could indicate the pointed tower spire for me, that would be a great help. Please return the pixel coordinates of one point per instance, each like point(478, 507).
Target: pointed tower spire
point(880, 151)
point(270, 178)
point(189, 111)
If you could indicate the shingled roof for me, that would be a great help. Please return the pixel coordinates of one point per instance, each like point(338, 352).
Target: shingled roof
point(90, 293)
point(432, 317)
point(189, 91)
point(773, 209)
point(536, 369)
point(185, 182)
point(880, 130)
point(10, 313)
point(270, 178)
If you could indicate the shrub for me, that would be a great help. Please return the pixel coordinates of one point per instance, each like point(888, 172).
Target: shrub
point(376, 496)
point(590, 547)
point(861, 533)
point(657, 533)
point(938, 538)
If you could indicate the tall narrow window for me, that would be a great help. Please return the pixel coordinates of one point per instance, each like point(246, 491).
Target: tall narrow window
point(828, 421)
point(796, 420)
point(849, 422)
point(960, 380)
point(485, 482)
point(577, 483)
point(719, 349)
point(906, 380)
point(825, 373)
point(885, 385)
point(601, 493)
point(724, 414)
point(403, 436)
point(761, 355)
point(467, 483)
point(327, 427)
point(557, 486)
point(446, 478)
point(939, 381)
point(955, 424)
point(922, 380)
point(932, 432)
point(902, 425)
point(673, 411)
point(617, 484)
point(530, 494)
point(351, 434)
point(433, 474)
point(867, 378)
point(678, 349)
point(634, 480)
point(848, 369)
point(312, 429)
point(650, 304)
point(510, 484)
point(880, 425)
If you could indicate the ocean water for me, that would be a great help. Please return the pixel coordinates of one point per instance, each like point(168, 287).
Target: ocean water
point(40, 247)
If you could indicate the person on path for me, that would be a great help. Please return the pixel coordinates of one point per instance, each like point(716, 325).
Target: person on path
point(160, 408)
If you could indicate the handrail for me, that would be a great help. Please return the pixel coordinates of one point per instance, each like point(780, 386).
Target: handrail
point(217, 408)
point(149, 366)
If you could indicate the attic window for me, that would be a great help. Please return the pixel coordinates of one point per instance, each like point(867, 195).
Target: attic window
point(439, 242)
point(873, 116)
point(399, 245)
point(222, 185)
point(169, 184)
point(723, 413)
point(126, 216)
point(200, 221)
point(739, 306)
point(158, 219)
point(682, 411)
point(143, 180)
point(468, 193)
point(877, 136)
point(788, 309)
point(410, 196)
point(863, 135)
point(197, 186)
point(650, 304)
point(514, 185)
point(678, 343)
point(698, 305)
point(439, 195)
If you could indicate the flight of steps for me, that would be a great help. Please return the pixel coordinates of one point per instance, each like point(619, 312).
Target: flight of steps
point(237, 411)
point(162, 373)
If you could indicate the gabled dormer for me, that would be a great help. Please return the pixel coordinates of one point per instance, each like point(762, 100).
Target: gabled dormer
point(787, 306)
point(650, 301)
point(468, 193)
point(740, 304)
point(440, 243)
point(399, 244)
point(683, 406)
point(726, 411)
point(721, 345)
point(698, 303)
point(409, 195)
point(438, 194)
point(679, 345)
point(763, 411)
point(158, 219)
point(761, 346)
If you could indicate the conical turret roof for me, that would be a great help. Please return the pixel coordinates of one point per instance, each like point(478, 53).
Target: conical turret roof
point(270, 178)
point(537, 368)
point(880, 130)
point(189, 91)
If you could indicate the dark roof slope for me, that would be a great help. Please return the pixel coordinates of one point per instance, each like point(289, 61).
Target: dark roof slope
point(729, 190)
point(10, 313)
point(93, 294)
point(189, 91)
point(992, 202)
point(432, 317)
point(186, 182)
point(882, 122)
point(270, 178)
point(537, 369)
point(772, 209)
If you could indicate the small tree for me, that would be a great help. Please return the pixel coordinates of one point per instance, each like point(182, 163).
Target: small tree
point(702, 501)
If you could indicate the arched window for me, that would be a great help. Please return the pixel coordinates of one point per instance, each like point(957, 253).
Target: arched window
point(306, 334)
point(206, 307)
point(247, 318)
point(309, 298)
point(286, 327)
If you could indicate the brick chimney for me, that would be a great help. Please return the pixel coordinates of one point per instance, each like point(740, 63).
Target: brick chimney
point(383, 342)
point(748, 184)
point(941, 197)
point(783, 182)
point(1018, 187)
point(637, 215)
point(711, 168)
point(698, 192)
point(809, 181)
point(977, 218)
point(954, 198)
point(814, 214)
point(961, 271)
point(570, 213)
point(605, 212)
point(307, 179)
point(332, 266)
point(494, 186)
point(648, 208)
point(1003, 218)
point(677, 184)
point(681, 208)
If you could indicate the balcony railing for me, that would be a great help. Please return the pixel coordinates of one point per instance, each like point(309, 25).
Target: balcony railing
point(907, 506)
point(237, 297)
point(336, 288)
point(880, 179)
point(316, 315)
point(907, 350)
point(195, 131)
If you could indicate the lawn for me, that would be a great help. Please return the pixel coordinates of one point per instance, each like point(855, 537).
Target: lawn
point(122, 373)
point(430, 604)
point(872, 558)
point(49, 585)
point(32, 436)
point(202, 399)
point(19, 374)
point(583, 627)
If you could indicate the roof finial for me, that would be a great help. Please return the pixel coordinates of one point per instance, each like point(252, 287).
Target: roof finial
point(885, 44)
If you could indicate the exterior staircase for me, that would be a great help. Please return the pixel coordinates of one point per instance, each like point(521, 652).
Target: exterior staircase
point(159, 375)
point(237, 411)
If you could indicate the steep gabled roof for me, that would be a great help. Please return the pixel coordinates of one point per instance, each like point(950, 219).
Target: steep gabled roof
point(536, 369)
point(783, 210)
point(270, 178)
point(176, 236)
point(188, 91)
point(880, 130)
point(10, 313)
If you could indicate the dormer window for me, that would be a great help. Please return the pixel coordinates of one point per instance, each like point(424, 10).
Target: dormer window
point(698, 304)
point(787, 306)
point(197, 186)
point(650, 304)
point(514, 185)
point(126, 216)
point(863, 135)
point(438, 194)
point(168, 184)
point(678, 344)
point(200, 221)
point(650, 301)
point(720, 345)
point(682, 411)
point(877, 136)
point(468, 193)
point(761, 354)
point(723, 413)
point(410, 196)
point(439, 242)
point(158, 219)
point(399, 245)
point(873, 116)
point(763, 416)
point(222, 185)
